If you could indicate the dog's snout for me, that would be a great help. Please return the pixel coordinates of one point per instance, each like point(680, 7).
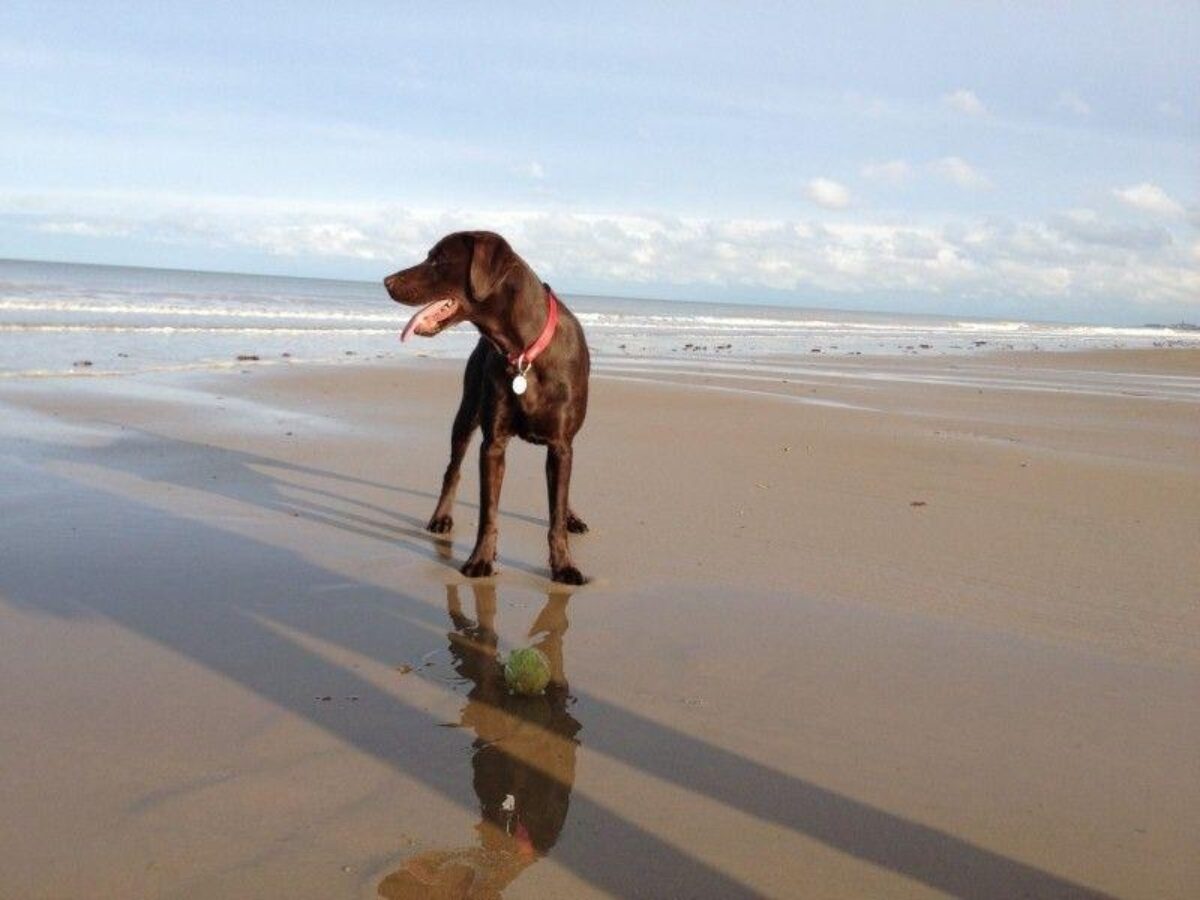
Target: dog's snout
point(394, 285)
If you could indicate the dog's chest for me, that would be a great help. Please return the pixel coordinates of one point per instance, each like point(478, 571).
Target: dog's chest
point(537, 414)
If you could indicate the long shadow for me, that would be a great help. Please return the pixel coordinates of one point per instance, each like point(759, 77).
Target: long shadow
point(218, 599)
point(279, 495)
point(144, 572)
point(286, 466)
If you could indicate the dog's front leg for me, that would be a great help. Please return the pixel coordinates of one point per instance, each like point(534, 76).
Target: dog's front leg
point(558, 483)
point(465, 423)
point(491, 476)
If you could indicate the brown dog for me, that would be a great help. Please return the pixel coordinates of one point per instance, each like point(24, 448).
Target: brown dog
point(527, 376)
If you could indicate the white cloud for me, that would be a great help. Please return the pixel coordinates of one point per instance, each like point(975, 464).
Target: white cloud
point(958, 171)
point(1149, 198)
point(828, 194)
point(1169, 108)
point(894, 171)
point(965, 101)
point(1074, 257)
point(316, 238)
point(535, 170)
point(85, 229)
point(1086, 226)
point(1073, 103)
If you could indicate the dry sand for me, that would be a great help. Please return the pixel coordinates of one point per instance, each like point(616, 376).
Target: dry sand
point(858, 627)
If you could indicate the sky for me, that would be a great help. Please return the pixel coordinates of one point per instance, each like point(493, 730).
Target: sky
point(1010, 159)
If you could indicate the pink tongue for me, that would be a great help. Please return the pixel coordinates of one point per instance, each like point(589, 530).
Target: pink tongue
point(426, 314)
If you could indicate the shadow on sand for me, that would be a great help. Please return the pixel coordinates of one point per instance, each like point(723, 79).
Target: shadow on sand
point(226, 601)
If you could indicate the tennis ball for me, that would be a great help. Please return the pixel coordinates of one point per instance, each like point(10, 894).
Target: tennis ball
point(527, 671)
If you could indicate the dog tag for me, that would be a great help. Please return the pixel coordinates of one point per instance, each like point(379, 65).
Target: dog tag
point(519, 385)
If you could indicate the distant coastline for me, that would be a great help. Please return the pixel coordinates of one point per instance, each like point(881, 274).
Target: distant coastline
point(1178, 326)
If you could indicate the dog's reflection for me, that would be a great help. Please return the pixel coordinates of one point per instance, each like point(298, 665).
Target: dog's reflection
point(523, 762)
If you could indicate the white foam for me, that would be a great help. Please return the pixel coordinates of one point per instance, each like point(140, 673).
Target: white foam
point(190, 329)
point(121, 309)
point(685, 322)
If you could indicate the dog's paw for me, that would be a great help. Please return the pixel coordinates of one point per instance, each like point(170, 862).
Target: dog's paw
point(476, 568)
point(576, 525)
point(440, 524)
point(568, 575)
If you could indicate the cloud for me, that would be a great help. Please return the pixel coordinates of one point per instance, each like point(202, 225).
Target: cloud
point(958, 171)
point(828, 194)
point(1086, 226)
point(314, 238)
point(535, 170)
point(1073, 103)
point(1150, 198)
point(1169, 108)
point(1073, 257)
point(965, 101)
point(895, 171)
point(85, 229)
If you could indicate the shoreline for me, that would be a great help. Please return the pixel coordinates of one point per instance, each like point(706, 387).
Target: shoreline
point(1146, 360)
point(54, 318)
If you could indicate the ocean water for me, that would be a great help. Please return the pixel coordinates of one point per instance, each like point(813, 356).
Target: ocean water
point(65, 318)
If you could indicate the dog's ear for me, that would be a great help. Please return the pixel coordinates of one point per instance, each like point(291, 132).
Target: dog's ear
point(491, 262)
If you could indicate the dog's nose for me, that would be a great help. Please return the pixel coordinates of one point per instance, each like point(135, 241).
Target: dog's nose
point(392, 284)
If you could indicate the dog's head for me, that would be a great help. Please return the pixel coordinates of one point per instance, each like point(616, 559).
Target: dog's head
point(460, 280)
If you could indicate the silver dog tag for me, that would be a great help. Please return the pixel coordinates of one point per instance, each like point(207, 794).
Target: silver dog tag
point(519, 385)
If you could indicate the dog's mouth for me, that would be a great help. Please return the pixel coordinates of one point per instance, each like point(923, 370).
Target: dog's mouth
point(431, 318)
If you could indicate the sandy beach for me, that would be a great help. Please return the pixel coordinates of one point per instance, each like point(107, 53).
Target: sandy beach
point(857, 627)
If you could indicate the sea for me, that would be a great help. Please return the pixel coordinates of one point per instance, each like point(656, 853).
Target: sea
point(74, 319)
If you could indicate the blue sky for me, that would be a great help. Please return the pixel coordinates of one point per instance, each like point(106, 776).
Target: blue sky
point(1040, 160)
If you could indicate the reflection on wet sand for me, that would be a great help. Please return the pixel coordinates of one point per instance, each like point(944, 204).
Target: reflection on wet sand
point(523, 759)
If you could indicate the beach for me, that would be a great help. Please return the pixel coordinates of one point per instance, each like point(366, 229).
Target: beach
point(857, 626)
point(853, 351)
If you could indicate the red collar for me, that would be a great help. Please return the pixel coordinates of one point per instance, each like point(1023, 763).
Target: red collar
point(525, 358)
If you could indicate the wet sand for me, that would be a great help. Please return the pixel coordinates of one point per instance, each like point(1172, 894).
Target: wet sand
point(858, 627)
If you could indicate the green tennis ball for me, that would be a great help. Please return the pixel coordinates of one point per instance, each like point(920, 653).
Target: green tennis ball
point(527, 671)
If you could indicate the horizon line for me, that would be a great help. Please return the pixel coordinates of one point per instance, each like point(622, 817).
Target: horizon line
point(605, 296)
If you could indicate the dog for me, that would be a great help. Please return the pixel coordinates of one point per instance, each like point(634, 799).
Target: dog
point(527, 376)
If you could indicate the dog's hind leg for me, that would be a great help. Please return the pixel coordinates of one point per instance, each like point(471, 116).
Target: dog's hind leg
point(465, 423)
